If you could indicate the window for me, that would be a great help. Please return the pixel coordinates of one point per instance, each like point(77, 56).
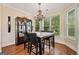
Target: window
point(46, 24)
point(37, 25)
point(55, 24)
point(71, 23)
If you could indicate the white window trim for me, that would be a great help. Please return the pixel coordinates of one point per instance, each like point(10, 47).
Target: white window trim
point(59, 20)
point(73, 38)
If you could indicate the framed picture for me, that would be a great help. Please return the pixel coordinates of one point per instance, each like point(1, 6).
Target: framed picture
point(9, 24)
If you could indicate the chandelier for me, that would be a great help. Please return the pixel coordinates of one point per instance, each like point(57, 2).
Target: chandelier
point(39, 16)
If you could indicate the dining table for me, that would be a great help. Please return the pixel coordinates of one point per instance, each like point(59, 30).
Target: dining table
point(43, 35)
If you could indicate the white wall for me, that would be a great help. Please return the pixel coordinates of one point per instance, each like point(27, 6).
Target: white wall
point(0, 28)
point(78, 29)
point(72, 43)
point(9, 38)
point(63, 28)
point(60, 12)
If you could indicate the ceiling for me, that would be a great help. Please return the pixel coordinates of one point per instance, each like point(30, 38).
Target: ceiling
point(32, 8)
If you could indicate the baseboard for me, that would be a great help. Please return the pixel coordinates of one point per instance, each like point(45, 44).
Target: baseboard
point(71, 47)
point(0, 51)
point(67, 46)
point(7, 44)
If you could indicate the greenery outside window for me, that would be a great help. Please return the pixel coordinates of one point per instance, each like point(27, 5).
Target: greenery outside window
point(37, 25)
point(46, 24)
point(71, 23)
point(55, 24)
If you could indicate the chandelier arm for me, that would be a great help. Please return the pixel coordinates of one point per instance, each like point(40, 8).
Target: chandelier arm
point(40, 16)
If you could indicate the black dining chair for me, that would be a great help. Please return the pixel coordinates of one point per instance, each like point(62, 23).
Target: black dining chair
point(26, 41)
point(35, 43)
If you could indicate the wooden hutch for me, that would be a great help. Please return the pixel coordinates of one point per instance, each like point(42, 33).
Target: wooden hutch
point(22, 24)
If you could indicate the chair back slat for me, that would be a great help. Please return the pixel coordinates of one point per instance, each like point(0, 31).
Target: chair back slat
point(26, 36)
point(33, 38)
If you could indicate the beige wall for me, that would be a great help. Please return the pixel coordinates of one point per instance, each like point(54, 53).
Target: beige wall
point(9, 38)
point(0, 28)
point(78, 29)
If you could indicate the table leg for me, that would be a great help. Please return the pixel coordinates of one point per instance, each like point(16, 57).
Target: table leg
point(53, 41)
point(40, 51)
point(43, 46)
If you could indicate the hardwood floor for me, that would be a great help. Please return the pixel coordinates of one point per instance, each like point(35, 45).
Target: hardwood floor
point(59, 49)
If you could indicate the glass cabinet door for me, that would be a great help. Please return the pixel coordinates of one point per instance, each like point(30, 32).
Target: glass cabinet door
point(29, 26)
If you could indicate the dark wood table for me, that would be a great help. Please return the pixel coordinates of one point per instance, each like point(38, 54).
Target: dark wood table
point(43, 35)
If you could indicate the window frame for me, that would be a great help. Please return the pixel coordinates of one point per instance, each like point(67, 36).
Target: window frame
point(59, 23)
point(71, 37)
point(36, 26)
point(47, 19)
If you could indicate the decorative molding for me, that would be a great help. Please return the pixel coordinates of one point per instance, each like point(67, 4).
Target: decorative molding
point(17, 9)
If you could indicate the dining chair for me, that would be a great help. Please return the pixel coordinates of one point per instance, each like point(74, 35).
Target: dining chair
point(26, 41)
point(35, 44)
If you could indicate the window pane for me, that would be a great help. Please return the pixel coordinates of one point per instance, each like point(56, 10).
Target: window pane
point(55, 24)
point(46, 24)
point(37, 25)
point(71, 23)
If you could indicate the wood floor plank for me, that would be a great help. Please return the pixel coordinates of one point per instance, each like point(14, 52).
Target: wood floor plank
point(59, 49)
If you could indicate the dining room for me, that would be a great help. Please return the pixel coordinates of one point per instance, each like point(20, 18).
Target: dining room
point(39, 28)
